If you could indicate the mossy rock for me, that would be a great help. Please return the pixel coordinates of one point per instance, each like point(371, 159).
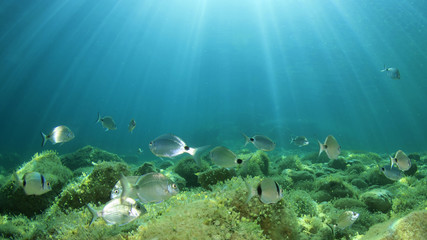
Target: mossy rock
point(336, 189)
point(145, 168)
point(213, 176)
point(49, 165)
point(86, 156)
point(338, 163)
point(302, 203)
point(348, 203)
point(377, 200)
point(94, 188)
point(359, 183)
point(298, 176)
point(257, 165)
point(187, 168)
point(375, 177)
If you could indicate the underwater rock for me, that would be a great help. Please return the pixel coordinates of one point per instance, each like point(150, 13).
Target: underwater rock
point(412, 226)
point(49, 165)
point(411, 171)
point(338, 163)
point(258, 165)
point(146, 167)
point(94, 188)
point(187, 168)
point(298, 176)
point(165, 164)
point(360, 183)
point(336, 189)
point(349, 203)
point(87, 155)
point(377, 200)
point(302, 203)
point(375, 177)
point(288, 162)
point(213, 176)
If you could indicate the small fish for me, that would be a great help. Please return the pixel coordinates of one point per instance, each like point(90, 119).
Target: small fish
point(118, 189)
point(224, 157)
point(392, 173)
point(392, 73)
point(331, 147)
point(132, 125)
point(401, 160)
point(268, 191)
point(140, 150)
point(300, 141)
point(150, 187)
point(346, 219)
point(107, 122)
point(261, 142)
point(118, 211)
point(59, 134)
point(170, 146)
point(33, 183)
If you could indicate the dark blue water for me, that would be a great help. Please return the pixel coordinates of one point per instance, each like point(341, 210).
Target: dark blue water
point(209, 70)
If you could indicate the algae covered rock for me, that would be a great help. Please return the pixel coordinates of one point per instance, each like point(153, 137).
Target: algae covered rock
point(377, 200)
point(49, 165)
point(298, 176)
point(338, 163)
point(85, 156)
point(360, 183)
point(349, 203)
point(213, 176)
point(336, 189)
point(146, 167)
point(257, 165)
point(187, 168)
point(95, 187)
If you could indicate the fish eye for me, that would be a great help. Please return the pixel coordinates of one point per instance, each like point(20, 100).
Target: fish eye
point(48, 184)
point(239, 161)
point(116, 191)
point(174, 185)
point(252, 139)
point(186, 148)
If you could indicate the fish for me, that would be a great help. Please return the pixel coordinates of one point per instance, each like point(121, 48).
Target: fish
point(118, 211)
point(224, 157)
point(346, 219)
point(117, 190)
point(401, 160)
point(331, 147)
point(170, 146)
point(391, 172)
point(59, 134)
point(261, 142)
point(268, 191)
point(140, 150)
point(300, 141)
point(107, 122)
point(33, 183)
point(132, 125)
point(150, 187)
point(392, 73)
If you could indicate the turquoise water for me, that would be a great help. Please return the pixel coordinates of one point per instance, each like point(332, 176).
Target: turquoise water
point(209, 70)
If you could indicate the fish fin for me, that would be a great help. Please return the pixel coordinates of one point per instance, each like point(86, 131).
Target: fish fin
point(322, 147)
point(44, 139)
point(391, 161)
point(251, 191)
point(99, 118)
point(126, 188)
point(247, 139)
point(196, 153)
point(141, 199)
point(93, 212)
point(18, 182)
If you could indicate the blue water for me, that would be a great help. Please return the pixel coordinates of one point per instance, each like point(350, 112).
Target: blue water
point(209, 70)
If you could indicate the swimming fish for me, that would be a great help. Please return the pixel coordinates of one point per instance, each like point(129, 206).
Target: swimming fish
point(261, 142)
point(118, 211)
point(107, 122)
point(300, 141)
point(268, 191)
point(346, 219)
point(331, 147)
point(392, 173)
point(170, 146)
point(140, 150)
point(150, 187)
point(33, 183)
point(393, 73)
point(132, 125)
point(117, 190)
point(59, 134)
point(401, 160)
point(224, 157)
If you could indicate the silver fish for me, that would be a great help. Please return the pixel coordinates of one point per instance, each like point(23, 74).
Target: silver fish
point(150, 187)
point(224, 157)
point(107, 122)
point(118, 211)
point(401, 160)
point(59, 134)
point(346, 219)
point(170, 146)
point(392, 173)
point(33, 183)
point(392, 73)
point(261, 142)
point(331, 147)
point(117, 190)
point(300, 141)
point(132, 125)
point(268, 191)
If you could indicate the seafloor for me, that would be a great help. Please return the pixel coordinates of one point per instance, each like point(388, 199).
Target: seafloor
point(211, 202)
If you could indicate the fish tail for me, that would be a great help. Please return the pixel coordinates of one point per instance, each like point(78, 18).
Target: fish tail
point(292, 140)
point(196, 153)
point(99, 118)
point(93, 212)
point(247, 139)
point(18, 182)
point(251, 191)
point(322, 147)
point(385, 69)
point(44, 139)
point(391, 161)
